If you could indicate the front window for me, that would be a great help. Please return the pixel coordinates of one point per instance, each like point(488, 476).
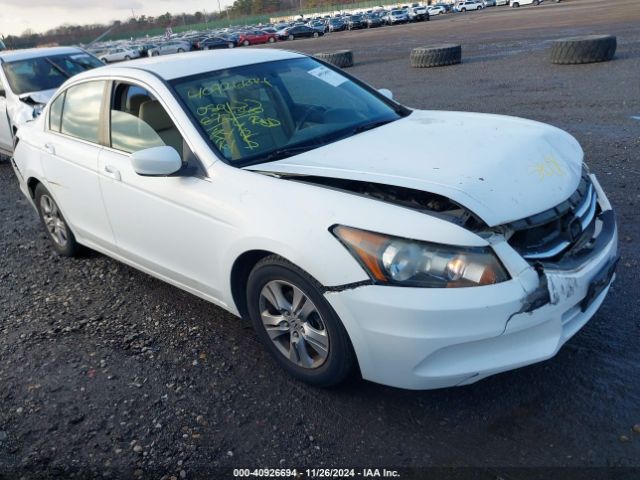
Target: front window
point(46, 73)
point(264, 112)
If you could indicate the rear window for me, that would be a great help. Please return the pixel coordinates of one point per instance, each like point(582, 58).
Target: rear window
point(81, 113)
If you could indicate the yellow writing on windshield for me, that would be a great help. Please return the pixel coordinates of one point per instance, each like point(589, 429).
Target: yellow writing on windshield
point(230, 123)
point(219, 88)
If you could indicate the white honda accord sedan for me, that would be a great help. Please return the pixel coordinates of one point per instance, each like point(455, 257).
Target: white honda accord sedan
point(358, 235)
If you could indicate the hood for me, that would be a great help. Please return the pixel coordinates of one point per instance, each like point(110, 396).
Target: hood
point(501, 168)
point(38, 97)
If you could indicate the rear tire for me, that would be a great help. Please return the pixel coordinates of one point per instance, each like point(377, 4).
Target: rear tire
point(327, 366)
point(231, 45)
point(58, 231)
point(316, 34)
point(291, 37)
point(180, 50)
point(246, 43)
point(515, 5)
point(271, 39)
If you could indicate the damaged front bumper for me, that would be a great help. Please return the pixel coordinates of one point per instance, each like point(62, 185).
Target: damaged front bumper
point(419, 338)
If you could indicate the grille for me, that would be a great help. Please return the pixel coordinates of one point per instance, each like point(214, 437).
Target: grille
point(548, 234)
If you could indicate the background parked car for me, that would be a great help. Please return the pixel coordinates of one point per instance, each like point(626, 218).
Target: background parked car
point(256, 37)
point(489, 3)
point(319, 25)
point(418, 14)
point(355, 22)
point(298, 31)
point(143, 49)
point(436, 10)
point(28, 80)
point(395, 17)
point(372, 20)
point(173, 46)
point(212, 43)
point(468, 5)
point(517, 3)
point(337, 25)
point(119, 54)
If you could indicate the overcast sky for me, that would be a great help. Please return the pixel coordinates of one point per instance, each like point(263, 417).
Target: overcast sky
point(16, 16)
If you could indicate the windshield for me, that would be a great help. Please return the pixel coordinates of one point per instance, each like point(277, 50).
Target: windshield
point(46, 73)
point(267, 111)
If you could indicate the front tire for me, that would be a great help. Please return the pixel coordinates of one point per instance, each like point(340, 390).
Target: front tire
point(180, 50)
point(297, 325)
point(61, 236)
point(291, 37)
point(271, 39)
point(316, 34)
point(245, 43)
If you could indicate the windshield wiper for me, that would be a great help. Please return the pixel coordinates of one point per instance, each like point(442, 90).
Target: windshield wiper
point(85, 66)
point(285, 152)
point(371, 125)
point(59, 68)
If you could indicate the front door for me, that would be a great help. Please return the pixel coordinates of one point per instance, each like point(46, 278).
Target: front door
point(165, 224)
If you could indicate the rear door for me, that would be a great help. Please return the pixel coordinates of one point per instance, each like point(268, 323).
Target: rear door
point(70, 160)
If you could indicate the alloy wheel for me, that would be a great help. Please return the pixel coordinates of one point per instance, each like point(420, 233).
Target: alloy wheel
point(52, 218)
point(294, 324)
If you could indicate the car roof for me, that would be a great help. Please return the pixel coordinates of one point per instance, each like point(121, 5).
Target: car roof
point(17, 55)
point(180, 65)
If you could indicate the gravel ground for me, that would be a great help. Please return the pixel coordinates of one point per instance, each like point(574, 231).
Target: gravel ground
point(106, 371)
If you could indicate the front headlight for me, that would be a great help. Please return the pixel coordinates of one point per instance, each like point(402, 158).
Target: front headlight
point(37, 110)
point(413, 263)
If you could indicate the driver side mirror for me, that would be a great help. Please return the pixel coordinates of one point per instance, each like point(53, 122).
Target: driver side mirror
point(386, 93)
point(156, 161)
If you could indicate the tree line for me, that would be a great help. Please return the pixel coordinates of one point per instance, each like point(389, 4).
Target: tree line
point(68, 34)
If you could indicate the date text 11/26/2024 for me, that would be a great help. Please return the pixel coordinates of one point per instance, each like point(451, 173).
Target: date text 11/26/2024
point(315, 473)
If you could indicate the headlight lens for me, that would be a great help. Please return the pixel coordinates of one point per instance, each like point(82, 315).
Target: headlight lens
point(37, 110)
point(399, 261)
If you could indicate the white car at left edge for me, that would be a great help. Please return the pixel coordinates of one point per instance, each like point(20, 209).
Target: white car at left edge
point(358, 236)
point(28, 79)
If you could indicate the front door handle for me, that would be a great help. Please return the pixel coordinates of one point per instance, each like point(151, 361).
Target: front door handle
point(112, 172)
point(50, 149)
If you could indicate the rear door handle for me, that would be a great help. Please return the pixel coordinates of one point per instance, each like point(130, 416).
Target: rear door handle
point(112, 172)
point(50, 149)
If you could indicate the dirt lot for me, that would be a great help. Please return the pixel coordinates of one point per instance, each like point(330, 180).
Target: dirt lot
point(105, 371)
